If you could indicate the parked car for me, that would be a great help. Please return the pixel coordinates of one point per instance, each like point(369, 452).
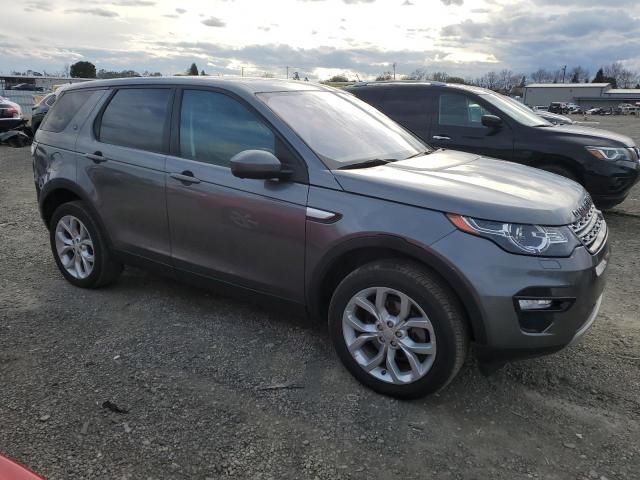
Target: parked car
point(40, 110)
point(553, 118)
point(10, 114)
point(306, 194)
point(558, 107)
point(540, 108)
point(26, 86)
point(10, 470)
point(480, 121)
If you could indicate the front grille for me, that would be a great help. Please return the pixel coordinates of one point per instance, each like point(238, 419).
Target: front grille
point(591, 229)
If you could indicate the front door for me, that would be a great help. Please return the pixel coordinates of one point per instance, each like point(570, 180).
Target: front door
point(241, 231)
point(457, 124)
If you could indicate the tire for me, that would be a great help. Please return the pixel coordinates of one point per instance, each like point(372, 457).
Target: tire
point(558, 170)
point(431, 303)
point(73, 220)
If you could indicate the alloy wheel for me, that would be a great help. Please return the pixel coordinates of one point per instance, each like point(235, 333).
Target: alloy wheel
point(74, 247)
point(389, 335)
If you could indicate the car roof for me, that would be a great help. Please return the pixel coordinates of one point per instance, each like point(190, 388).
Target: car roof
point(413, 84)
point(249, 85)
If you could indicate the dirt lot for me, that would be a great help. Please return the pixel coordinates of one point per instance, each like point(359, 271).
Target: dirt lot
point(195, 372)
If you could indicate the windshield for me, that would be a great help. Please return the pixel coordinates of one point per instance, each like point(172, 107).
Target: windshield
point(516, 110)
point(341, 129)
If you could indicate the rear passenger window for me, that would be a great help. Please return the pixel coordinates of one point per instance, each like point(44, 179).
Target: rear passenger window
point(136, 118)
point(64, 110)
point(214, 127)
point(460, 111)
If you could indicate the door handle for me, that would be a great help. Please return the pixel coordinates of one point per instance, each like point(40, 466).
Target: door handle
point(441, 137)
point(97, 157)
point(185, 177)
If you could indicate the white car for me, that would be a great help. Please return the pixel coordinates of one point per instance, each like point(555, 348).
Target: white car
point(10, 114)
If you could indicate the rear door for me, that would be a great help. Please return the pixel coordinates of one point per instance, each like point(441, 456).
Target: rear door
point(122, 168)
point(457, 124)
point(240, 231)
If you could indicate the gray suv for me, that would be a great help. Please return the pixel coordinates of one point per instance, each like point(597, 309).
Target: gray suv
point(306, 194)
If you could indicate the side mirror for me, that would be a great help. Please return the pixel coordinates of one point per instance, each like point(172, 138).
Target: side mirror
point(258, 164)
point(491, 121)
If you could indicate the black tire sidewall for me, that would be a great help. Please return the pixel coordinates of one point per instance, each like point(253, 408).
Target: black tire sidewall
point(77, 210)
point(445, 361)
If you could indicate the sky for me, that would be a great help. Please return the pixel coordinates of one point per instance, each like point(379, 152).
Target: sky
point(319, 38)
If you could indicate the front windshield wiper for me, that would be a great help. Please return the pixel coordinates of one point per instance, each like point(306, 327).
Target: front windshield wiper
point(375, 162)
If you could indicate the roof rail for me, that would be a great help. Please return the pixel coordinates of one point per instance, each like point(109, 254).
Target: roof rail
point(400, 82)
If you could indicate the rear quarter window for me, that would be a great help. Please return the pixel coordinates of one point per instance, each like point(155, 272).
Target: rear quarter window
point(64, 110)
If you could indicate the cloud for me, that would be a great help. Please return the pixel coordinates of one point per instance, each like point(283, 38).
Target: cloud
point(452, 2)
point(38, 5)
point(99, 12)
point(407, 3)
point(132, 3)
point(353, 2)
point(180, 11)
point(214, 22)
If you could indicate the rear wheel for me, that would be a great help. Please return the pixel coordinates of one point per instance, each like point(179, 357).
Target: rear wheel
point(398, 328)
point(79, 248)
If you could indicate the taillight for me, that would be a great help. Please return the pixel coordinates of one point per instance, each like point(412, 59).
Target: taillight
point(12, 111)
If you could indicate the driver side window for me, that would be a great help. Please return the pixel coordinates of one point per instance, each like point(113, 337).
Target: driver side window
point(459, 110)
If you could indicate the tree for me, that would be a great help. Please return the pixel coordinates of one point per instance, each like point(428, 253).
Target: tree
point(83, 70)
point(193, 70)
point(202, 73)
point(384, 76)
point(456, 80)
point(341, 77)
point(599, 78)
point(417, 74)
point(439, 76)
point(542, 76)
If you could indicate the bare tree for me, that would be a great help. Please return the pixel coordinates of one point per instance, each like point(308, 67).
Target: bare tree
point(417, 74)
point(542, 76)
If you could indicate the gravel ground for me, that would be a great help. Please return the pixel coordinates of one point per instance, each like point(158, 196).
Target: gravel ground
point(217, 388)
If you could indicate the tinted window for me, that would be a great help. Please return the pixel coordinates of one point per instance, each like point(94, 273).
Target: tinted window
point(136, 118)
point(460, 111)
point(214, 127)
point(64, 110)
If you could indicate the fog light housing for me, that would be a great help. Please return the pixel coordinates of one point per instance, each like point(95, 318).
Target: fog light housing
point(530, 304)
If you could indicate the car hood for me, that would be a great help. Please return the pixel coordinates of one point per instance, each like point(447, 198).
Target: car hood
point(591, 136)
point(468, 184)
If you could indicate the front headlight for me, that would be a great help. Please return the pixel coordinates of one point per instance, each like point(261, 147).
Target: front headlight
point(610, 153)
point(520, 238)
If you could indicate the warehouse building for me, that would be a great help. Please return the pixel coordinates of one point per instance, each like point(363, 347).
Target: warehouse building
point(586, 95)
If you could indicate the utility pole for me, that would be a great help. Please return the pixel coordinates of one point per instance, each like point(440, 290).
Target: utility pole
point(242, 70)
point(287, 73)
point(394, 70)
point(564, 71)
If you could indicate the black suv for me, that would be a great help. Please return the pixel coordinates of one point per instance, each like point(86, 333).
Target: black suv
point(480, 121)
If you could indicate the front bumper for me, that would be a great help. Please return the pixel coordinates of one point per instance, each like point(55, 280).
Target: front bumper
point(499, 278)
point(610, 182)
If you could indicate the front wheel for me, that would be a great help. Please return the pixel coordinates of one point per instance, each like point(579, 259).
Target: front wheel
point(398, 328)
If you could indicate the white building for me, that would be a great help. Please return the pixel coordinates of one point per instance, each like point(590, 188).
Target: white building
point(584, 94)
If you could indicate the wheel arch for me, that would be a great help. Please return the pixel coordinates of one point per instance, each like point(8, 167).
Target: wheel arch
point(563, 162)
point(60, 191)
point(351, 254)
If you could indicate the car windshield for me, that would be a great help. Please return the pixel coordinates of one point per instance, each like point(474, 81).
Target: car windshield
point(342, 130)
point(516, 111)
